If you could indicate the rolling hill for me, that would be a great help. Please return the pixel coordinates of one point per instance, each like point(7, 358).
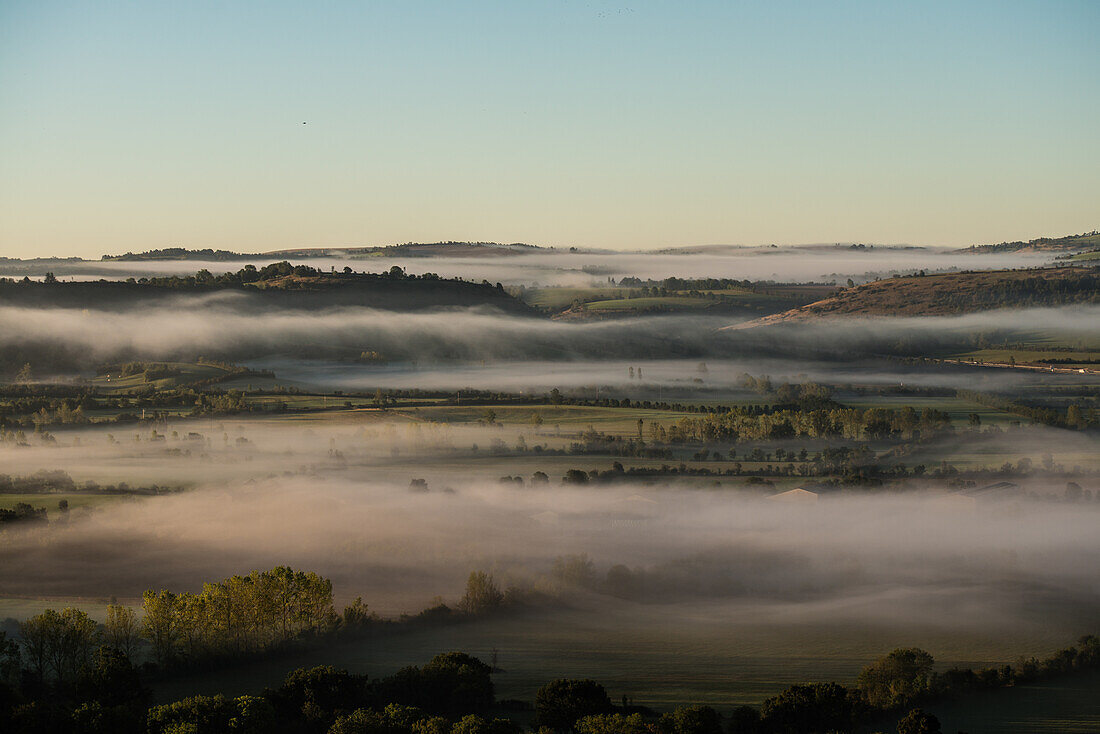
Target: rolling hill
point(950, 293)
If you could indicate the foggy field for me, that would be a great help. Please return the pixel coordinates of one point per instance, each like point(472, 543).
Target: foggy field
point(661, 657)
point(549, 368)
point(623, 484)
point(618, 421)
point(76, 501)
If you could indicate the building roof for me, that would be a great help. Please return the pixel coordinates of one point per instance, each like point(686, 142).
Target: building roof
point(997, 489)
point(811, 492)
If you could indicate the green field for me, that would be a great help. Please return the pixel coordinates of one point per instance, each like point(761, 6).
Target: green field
point(619, 299)
point(1069, 705)
point(615, 421)
point(190, 372)
point(659, 656)
point(659, 302)
point(747, 299)
point(1085, 256)
point(1034, 356)
point(958, 409)
point(555, 299)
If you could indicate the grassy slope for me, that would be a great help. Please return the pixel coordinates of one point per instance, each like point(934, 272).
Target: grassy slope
point(1043, 244)
point(553, 299)
point(190, 372)
point(1085, 256)
point(639, 304)
point(945, 294)
point(620, 300)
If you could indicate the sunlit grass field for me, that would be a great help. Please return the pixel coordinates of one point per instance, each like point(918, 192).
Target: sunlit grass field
point(658, 302)
point(559, 298)
point(190, 372)
point(1034, 356)
point(958, 409)
point(615, 421)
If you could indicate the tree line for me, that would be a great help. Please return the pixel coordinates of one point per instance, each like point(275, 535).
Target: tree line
point(454, 694)
point(238, 615)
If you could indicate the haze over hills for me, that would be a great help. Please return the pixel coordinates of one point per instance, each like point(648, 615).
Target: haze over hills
point(456, 248)
point(407, 249)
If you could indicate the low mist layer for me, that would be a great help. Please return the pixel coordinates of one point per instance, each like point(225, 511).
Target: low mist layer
point(873, 557)
point(582, 269)
point(217, 326)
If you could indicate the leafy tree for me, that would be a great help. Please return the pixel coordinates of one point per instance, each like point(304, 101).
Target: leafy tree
point(161, 623)
point(474, 724)
point(456, 683)
point(9, 659)
point(121, 628)
point(897, 678)
point(574, 571)
point(808, 709)
point(482, 593)
point(239, 614)
point(114, 698)
point(356, 615)
point(364, 721)
point(58, 642)
point(315, 694)
point(561, 703)
point(692, 720)
point(612, 724)
point(212, 715)
point(92, 717)
point(919, 722)
point(744, 720)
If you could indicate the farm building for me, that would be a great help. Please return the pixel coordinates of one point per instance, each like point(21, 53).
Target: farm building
point(804, 494)
point(998, 492)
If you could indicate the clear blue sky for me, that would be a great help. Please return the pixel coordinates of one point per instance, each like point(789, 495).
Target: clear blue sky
point(132, 125)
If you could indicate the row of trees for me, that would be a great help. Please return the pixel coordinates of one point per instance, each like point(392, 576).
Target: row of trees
point(241, 614)
point(1074, 417)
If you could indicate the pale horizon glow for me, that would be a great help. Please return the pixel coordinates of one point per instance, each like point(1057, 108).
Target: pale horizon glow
point(630, 126)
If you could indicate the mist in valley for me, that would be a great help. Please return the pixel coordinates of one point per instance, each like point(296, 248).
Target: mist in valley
point(336, 498)
point(228, 326)
point(399, 506)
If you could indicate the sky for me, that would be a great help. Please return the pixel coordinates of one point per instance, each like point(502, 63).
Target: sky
point(254, 126)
